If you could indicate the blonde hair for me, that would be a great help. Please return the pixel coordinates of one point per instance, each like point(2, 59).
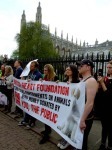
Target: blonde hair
point(51, 73)
point(10, 70)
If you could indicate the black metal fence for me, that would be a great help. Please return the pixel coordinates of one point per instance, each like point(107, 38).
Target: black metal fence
point(60, 64)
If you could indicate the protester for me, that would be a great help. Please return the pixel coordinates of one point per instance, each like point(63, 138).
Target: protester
point(34, 75)
point(106, 111)
point(8, 79)
point(86, 69)
point(18, 65)
point(49, 75)
point(71, 77)
point(2, 71)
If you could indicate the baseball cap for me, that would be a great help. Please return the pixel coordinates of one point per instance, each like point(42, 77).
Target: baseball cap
point(86, 62)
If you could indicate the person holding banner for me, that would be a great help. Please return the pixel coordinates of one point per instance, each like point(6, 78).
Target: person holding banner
point(86, 69)
point(34, 75)
point(49, 75)
point(71, 77)
point(2, 86)
point(18, 65)
point(8, 79)
point(2, 70)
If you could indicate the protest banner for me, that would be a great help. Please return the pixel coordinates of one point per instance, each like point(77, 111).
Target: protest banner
point(59, 105)
point(3, 90)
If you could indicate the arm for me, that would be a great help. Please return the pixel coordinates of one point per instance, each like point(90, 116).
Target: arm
point(91, 89)
point(101, 81)
point(9, 80)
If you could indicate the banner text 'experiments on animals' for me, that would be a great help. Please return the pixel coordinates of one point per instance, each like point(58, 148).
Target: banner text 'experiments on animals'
point(59, 105)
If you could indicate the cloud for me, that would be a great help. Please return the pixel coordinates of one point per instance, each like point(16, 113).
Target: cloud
point(84, 19)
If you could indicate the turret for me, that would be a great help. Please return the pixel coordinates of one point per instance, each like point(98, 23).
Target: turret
point(55, 32)
point(61, 34)
point(72, 39)
point(96, 42)
point(80, 43)
point(39, 14)
point(67, 37)
point(84, 44)
point(23, 19)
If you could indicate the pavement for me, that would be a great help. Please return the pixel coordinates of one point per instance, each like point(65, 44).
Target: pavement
point(14, 137)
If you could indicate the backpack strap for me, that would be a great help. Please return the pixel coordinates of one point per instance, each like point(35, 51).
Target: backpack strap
point(87, 78)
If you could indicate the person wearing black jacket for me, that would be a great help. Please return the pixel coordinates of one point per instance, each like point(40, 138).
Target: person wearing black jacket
point(106, 111)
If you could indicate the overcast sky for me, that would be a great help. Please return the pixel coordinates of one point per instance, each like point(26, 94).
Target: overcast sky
point(84, 19)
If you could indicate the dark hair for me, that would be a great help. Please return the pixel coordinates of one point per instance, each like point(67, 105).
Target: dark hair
point(74, 73)
point(20, 62)
point(35, 63)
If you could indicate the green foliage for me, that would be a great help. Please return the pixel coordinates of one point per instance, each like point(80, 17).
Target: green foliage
point(15, 54)
point(34, 41)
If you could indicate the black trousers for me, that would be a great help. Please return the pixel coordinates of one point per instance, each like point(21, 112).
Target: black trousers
point(9, 98)
point(47, 130)
point(106, 131)
point(86, 133)
point(29, 119)
point(18, 110)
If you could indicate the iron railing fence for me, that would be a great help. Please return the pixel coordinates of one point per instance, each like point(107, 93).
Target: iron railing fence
point(60, 63)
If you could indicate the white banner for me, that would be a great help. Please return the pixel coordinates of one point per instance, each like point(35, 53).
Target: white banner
point(3, 90)
point(59, 105)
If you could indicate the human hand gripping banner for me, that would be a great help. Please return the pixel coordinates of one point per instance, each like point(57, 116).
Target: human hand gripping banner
point(59, 105)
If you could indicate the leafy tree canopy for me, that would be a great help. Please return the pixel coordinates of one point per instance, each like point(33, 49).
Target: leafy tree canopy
point(34, 41)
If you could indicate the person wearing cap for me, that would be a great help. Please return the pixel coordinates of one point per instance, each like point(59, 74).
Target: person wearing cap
point(85, 69)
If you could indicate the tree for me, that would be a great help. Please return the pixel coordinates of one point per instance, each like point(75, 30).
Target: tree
point(15, 54)
point(34, 41)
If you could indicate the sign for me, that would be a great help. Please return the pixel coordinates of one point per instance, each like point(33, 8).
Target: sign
point(3, 90)
point(59, 105)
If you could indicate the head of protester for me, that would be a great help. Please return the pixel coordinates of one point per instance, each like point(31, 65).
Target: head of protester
point(34, 66)
point(34, 73)
point(17, 64)
point(85, 67)
point(8, 71)
point(109, 68)
point(71, 74)
point(2, 70)
point(49, 74)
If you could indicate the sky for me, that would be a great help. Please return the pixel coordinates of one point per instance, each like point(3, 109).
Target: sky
point(85, 20)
